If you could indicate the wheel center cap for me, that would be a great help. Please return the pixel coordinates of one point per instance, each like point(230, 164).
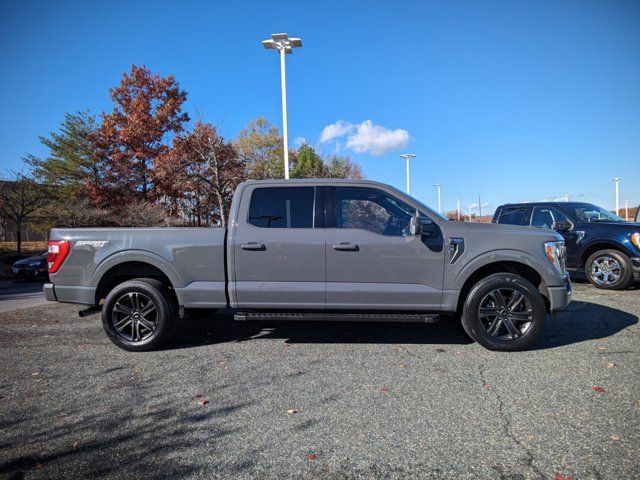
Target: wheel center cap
point(136, 315)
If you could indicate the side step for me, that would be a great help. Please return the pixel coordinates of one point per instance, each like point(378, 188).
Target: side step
point(340, 317)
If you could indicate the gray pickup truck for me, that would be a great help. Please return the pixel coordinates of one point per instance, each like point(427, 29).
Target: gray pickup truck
point(316, 250)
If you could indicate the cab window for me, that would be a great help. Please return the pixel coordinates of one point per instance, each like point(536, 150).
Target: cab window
point(282, 207)
point(372, 210)
point(511, 215)
point(546, 216)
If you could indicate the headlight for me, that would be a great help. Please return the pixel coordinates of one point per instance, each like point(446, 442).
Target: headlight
point(635, 239)
point(556, 253)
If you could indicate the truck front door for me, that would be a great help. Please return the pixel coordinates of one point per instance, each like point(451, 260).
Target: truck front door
point(372, 260)
point(278, 249)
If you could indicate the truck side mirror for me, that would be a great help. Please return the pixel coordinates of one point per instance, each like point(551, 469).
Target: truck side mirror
point(422, 227)
point(561, 226)
point(415, 226)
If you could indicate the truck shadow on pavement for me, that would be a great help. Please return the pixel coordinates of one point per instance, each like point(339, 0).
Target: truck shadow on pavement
point(584, 321)
point(581, 321)
point(142, 442)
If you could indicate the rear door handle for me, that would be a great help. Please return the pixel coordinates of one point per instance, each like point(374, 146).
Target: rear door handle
point(346, 247)
point(253, 246)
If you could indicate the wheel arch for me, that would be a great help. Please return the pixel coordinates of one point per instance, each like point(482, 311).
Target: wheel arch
point(502, 266)
point(596, 246)
point(129, 265)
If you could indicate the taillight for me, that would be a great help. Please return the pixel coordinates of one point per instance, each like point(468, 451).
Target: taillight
point(56, 254)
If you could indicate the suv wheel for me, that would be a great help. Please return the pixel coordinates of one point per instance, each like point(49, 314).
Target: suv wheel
point(609, 269)
point(504, 312)
point(137, 315)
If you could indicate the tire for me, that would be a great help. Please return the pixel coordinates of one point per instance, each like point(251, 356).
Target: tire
point(487, 316)
point(145, 331)
point(617, 273)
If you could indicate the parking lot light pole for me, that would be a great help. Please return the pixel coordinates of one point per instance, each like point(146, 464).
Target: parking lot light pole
point(439, 186)
point(626, 210)
point(284, 45)
point(458, 204)
point(617, 181)
point(407, 157)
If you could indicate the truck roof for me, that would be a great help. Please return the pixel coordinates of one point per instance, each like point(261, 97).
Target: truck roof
point(314, 181)
point(546, 204)
point(341, 181)
point(320, 181)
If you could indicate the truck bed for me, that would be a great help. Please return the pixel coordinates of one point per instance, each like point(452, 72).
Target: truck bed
point(192, 258)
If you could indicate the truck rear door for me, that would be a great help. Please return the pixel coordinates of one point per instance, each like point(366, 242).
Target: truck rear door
point(278, 248)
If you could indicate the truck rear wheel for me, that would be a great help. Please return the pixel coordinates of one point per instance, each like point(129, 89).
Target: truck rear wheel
point(609, 270)
point(504, 312)
point(137, 315)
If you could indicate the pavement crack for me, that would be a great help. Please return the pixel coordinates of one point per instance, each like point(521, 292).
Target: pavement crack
point(505, 421)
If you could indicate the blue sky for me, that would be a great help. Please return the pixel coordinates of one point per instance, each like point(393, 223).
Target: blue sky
point(516, 100)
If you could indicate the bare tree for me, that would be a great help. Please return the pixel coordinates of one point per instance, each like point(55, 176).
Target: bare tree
point(20, 199)
point(202, 163)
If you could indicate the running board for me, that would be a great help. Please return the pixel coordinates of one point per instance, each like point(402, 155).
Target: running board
point(340, 317)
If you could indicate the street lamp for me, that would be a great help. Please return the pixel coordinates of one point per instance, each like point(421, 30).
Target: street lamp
point(626, 210)
point(458, 203)
point(407, 157)
point(439, 186)
point(616, 181)
point(285, 45)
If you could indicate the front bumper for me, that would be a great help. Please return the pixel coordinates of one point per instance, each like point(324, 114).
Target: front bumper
point(560, 296)
point(28, 272)
point(635, 262)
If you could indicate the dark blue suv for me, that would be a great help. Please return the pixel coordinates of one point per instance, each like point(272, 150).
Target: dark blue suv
point(602, 244)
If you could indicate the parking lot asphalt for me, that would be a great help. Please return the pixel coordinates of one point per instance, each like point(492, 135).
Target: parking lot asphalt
point(17, 294)
point(311, 400)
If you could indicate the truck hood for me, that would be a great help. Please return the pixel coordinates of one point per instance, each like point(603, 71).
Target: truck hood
point(613, 226)
point(498, 230)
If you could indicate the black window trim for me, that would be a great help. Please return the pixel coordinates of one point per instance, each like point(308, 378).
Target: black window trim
point(319, 207)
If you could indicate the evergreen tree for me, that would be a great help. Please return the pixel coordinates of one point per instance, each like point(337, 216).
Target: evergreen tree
point(308, 164)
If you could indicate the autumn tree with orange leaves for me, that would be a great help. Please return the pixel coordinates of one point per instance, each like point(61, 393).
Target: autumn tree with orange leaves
point(144, 164)
point(147, 112)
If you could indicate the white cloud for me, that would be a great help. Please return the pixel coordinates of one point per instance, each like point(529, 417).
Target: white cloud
point(335, 130)
point(299, 141)
point(366, 137)
point(565, 197)
point(485, 205)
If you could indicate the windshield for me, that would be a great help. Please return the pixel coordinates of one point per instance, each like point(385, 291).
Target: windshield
point(593, 213)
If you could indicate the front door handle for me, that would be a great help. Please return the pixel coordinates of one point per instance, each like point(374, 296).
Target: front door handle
point(346, 247)
point(253, 246)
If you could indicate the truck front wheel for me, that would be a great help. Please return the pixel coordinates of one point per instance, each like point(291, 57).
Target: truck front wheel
point(137, 315)
point(609, 270)
point(504, 312)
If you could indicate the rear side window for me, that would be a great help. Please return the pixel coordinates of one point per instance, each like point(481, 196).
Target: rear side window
point(511, 215)
point(282, 207)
